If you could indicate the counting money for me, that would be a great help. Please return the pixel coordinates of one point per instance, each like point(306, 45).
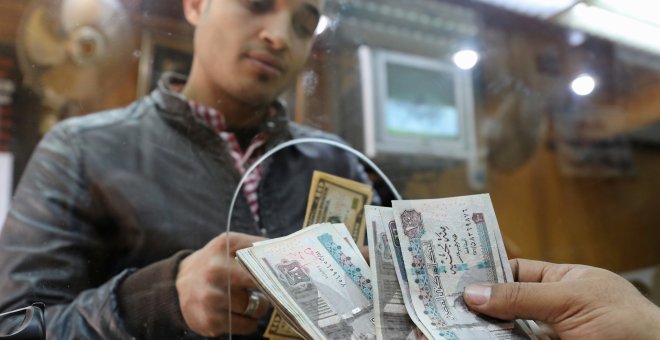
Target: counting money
point(331, 199)
point(317, 279)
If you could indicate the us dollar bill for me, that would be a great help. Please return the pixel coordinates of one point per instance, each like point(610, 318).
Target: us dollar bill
point(448, 244)
point(393, 314)
point(318, 280)
point(279, 329)
point(331, 199)
point(334, 199)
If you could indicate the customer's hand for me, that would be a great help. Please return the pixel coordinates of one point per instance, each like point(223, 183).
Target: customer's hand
point(202, 284)
point(578, 302)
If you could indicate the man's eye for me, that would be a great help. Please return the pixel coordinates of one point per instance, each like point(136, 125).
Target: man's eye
point(259, 6)
point(306, 25)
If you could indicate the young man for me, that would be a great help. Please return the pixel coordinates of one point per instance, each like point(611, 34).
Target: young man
point(116, 220)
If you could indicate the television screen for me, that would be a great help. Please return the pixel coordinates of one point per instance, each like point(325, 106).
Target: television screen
point(420, 103)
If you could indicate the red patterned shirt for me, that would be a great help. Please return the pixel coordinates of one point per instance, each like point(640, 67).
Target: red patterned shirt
point(215, 120)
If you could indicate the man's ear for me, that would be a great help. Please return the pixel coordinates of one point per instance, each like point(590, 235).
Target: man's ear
point(193, 10)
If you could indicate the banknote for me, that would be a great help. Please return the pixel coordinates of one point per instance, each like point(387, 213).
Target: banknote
point(279, 329)
point(331, 199)
point(335, 199)
point(393, 313)
point(318, 281)
point(448, 244)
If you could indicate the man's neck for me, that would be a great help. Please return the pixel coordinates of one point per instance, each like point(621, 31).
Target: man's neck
point(237, 114)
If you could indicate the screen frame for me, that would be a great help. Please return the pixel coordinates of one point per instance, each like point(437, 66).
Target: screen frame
point(374, 77)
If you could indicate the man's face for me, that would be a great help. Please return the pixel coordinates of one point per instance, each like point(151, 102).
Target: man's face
point(253, 49)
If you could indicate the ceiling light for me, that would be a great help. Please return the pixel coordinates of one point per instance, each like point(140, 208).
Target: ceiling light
point(583, 85)
point(576, 38)
point(466, 59)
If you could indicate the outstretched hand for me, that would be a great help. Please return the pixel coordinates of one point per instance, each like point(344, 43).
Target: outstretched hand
point(577, 301)
point(206, 278)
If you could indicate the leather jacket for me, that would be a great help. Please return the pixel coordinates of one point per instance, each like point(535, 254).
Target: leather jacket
point(111, 202)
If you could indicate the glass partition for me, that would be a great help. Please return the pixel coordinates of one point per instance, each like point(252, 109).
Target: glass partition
point(122, 170)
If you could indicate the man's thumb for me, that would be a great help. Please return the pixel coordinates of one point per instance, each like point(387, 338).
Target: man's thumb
point(519, 300)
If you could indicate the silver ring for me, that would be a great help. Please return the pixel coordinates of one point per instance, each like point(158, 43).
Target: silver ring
point(253, 304)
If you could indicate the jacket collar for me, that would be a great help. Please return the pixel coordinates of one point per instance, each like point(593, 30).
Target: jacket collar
point(175, 109)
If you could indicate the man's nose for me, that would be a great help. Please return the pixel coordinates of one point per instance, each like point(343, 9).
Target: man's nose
point(277, 31)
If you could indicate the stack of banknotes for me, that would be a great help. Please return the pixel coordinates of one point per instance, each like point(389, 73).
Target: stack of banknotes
point(423, 253)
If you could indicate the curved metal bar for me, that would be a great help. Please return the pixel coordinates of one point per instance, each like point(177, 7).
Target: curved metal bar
point(33, 326)
point(287, 144)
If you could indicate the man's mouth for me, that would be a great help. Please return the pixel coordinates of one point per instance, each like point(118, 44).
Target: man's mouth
point(266, 63)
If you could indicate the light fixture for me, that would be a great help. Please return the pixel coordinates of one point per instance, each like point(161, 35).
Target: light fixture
point(466, 59)
point(583, 85)
point(641, 10)
point(576, 38)
point(614, 26)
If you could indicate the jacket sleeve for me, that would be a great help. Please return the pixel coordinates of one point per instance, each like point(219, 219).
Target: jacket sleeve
point(52, 250)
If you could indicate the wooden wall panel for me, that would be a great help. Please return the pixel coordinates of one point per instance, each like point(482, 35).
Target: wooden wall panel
point(609, 223)
point(10, 16)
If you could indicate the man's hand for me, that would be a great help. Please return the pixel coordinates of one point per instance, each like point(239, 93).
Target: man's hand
point(578, 302)
point(203, 281)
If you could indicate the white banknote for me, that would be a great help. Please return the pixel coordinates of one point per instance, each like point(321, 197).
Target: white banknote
point(394, 316)
point(448, 244)
point(318, 280)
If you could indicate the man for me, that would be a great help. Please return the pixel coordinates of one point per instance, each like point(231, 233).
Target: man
point(116, 220)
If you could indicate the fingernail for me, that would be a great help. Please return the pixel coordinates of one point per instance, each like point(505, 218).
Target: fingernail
point(477, 295)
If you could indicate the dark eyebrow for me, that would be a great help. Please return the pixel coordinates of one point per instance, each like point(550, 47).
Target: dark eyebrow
point(311, 9)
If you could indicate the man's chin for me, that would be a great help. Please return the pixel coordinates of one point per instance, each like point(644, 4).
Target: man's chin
point(260, 91)
point(256, 98)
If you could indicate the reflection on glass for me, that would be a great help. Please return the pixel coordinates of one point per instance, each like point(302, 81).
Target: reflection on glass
point(554, 111)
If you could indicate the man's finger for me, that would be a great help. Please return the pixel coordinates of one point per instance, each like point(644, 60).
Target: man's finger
point(239, 276)
point(510, 301)
point(529, 270)
point(239, 241)
point(241, 298)
point(538, 271)
point(230, 242)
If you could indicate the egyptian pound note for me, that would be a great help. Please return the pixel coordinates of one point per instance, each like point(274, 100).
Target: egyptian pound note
point(392, 308)
point(319, 279)
point(448, 244)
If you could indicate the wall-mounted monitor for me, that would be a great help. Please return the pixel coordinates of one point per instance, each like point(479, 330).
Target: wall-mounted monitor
point(416, 105)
